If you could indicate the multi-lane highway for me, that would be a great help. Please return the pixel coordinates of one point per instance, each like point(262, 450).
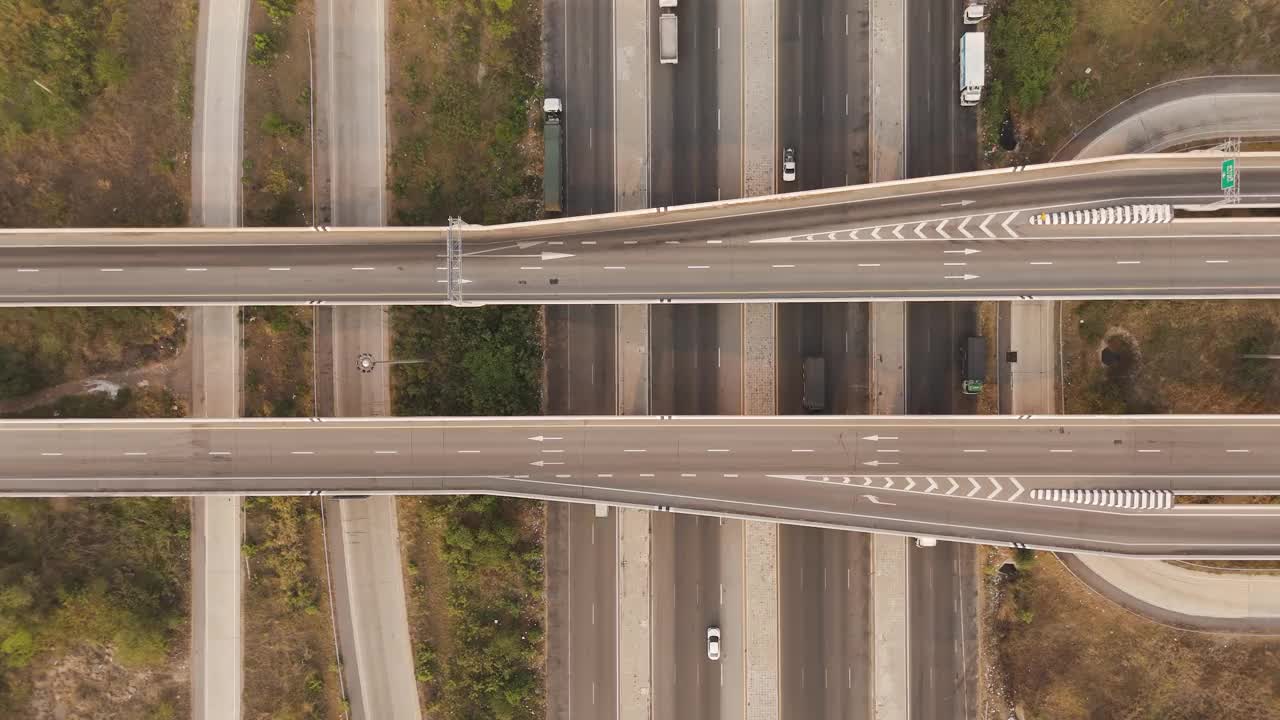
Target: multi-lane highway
point(965, 478)
point(963, 236)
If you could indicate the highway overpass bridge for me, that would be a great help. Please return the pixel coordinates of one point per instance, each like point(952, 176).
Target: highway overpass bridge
point(967, 236)
point(979, 479)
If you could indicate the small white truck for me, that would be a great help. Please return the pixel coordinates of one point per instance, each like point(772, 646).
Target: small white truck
point(973, 67)
point(668, 33)
point(974, 13)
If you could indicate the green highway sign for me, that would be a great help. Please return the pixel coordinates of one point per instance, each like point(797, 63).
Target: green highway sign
point(1228, 174)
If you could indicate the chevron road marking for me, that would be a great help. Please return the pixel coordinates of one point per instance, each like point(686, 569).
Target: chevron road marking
point(985, 223)
point(976, 488)
point(998, 489)
point(954, 486)
point(932, 485)
point(919, 234)
point(1008, 220)
point(964, 232)
point(1017, 485)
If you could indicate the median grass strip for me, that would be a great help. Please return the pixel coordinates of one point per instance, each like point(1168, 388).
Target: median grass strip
point(479, 559)
point(464, 109)
point(1059, 64)
point(277, 115)
point(290, 665)
point(278, 377)
point(1170, 356)
point(94, 599)
point(95, 122)
point(1060, 651)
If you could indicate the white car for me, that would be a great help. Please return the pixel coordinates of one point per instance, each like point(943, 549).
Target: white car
point(789, 165)
point(713, 643)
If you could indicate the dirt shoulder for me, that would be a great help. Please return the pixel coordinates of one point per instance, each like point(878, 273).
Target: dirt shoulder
point(278, 361)
point(1057, 650)
point(107, 140)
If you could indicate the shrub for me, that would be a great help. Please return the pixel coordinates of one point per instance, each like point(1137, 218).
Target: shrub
point(263, 49)
point(275, 125)
point(1027, 40)
point(279, 10)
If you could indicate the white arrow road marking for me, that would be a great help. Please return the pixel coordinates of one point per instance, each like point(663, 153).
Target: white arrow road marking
point(998, 489)
point(985, 223)
point(877, 438)
point(966, 251)
point(910, 484)
point(878, 463)
point(954, 486)
point(1008, 220)
point(976, 487)
point(961, 203)
point(541, 438)
point(543, 256)
point(1017, 485)
point(932, 485)
point(541, 463)
point(964, 232)
point(877, 501)
point(942, 225)
point(961, 277)
point(918, 233)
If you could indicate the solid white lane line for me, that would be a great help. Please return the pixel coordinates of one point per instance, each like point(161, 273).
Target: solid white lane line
point(784, 266)
point(699, 267)
point(1128, 262)
point(1217, 262)
point(302, 452)
point(134, 454)
point(1040, 262)
point(28, 269)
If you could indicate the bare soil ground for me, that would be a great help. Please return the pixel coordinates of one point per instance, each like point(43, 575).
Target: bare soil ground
point(1121, 47)
point(129, 162)
point(1171, 356)
point(277, 121)
point(278, 361)
point(1056, 650)
point(290, 663)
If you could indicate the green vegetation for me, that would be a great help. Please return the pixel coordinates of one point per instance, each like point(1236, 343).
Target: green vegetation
point(278, 361)
point(463, 107)
point(277, 126)
point(1027, 38)
point(41, 347)
point(263, 48)
point(279, 10)
point(55, 58)
point(126, 403)
point(490, 663)
point(103, 573)
point(480, 361)
point(1164, 356)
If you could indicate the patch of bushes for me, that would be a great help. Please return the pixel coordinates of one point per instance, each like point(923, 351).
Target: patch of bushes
point(54, 59)
point(279, 10)
point(1027, 41)
point(263, 48)
point(280, 557)
point(144, 402)
point(111, 573)
point(277, 126)
point(479, 361)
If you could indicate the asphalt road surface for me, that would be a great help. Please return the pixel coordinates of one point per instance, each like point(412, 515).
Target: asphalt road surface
point(836, 332)
point(579, 52)
point(684, 110)
point(696, 359)
point(755, 254)
point(942, 598)
point(824, 586)
point(822, 91)
point(942, 137)
point(969, 478)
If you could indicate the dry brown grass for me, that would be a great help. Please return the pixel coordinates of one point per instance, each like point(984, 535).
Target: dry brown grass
point(1185, 356)
point(278, 361)
point(277, 127)
point(129, 163)
point(290, 664)
point(1061, 652)
point(1130, 45)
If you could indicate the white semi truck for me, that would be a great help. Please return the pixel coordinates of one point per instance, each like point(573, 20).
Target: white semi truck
point(973, 67)
point(668, 33)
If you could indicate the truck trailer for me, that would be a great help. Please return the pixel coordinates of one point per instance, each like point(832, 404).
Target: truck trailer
point(668, 33)
point(973, 365)
point(973, 67)
point(553, 155)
